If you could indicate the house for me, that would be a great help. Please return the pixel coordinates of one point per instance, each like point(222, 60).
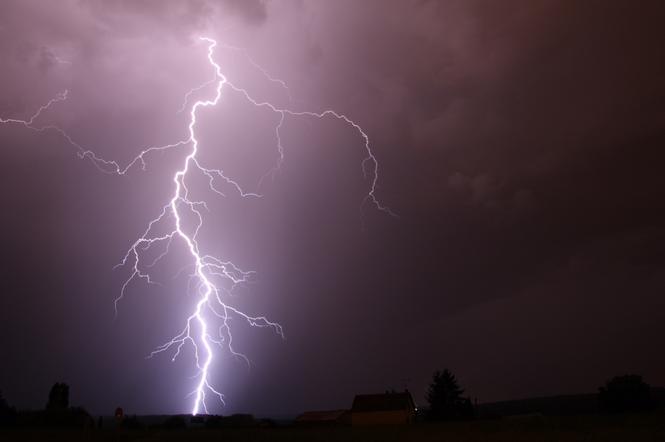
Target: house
point(323, 418)
point(390, 408)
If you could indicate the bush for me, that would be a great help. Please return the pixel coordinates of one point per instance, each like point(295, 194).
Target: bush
point(7, 413)
point(625, 393)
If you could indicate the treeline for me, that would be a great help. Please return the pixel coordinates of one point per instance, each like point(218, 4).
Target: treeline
point(621, 394)
point(57, 412)
point(445, 397)
point(178, 422)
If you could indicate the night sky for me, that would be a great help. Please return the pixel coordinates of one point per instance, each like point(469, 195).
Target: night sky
point(520, 144)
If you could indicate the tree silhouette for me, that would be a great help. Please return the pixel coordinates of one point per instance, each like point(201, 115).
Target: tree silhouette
point(444, 396)
point(58, 397)
point(3, 403)
point(625, 393)
point(7, 413)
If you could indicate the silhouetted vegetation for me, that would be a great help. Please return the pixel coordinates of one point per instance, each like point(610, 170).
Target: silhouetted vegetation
point(563, 405)
point(625, 393)
point(525, 419)
point(7, 413)
point(174, 423)
point(233, 421)
point(58, 398)
point(57, 414)
point(445, 399)
point(131, 423)
point(214, 422)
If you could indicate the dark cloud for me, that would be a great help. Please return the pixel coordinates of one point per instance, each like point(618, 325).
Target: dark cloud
point(520, 143)
point(252, 11)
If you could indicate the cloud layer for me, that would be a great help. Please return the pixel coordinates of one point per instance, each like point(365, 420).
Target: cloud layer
point(520, 142)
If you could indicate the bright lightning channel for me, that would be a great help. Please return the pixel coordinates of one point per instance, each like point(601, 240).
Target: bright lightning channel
point(213, 277)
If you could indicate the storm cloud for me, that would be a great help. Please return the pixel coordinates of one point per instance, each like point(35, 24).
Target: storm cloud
point(519, 142)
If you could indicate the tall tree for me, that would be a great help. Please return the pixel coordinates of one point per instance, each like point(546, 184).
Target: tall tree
point(444, 396)
point(58, 397)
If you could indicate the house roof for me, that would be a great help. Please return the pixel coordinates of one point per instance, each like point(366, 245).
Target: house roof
point(383, 402)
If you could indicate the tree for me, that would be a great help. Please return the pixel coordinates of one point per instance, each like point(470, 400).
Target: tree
point(625, 393)
point(444, 396)
point(3, 403)
point(7, 413)
point(58, 397)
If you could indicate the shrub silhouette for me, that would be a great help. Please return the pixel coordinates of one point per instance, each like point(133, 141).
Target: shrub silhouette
point(7, 413)
point(625, 393)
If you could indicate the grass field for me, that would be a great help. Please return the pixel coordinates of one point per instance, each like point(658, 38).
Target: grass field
point(628, 428)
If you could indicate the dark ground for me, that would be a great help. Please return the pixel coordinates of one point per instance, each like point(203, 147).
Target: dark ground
point(625, 427)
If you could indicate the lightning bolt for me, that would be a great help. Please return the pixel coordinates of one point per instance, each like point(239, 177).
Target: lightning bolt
point(208, 325)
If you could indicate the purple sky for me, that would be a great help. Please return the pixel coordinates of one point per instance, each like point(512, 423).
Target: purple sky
point(520, 142)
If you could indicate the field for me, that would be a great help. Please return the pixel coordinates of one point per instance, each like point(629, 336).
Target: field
point(630, 428)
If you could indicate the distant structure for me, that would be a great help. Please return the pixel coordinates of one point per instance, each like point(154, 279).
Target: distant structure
point(390, 408)
point(328, 418)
